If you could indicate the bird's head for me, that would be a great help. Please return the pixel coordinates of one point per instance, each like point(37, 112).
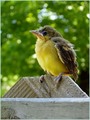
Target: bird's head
point(45, 33)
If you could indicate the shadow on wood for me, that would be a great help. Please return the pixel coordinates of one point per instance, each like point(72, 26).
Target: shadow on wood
point(31, 87)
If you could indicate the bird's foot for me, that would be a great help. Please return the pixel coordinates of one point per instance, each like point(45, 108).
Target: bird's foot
point(58, 79)
point(41, 79)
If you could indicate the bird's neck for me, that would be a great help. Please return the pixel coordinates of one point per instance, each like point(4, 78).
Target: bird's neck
point(40, 41)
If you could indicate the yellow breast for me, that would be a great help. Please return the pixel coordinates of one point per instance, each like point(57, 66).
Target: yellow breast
point(48, 58)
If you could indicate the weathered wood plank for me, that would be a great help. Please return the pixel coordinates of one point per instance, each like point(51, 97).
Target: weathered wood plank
point(31, 87)
point(45, 108)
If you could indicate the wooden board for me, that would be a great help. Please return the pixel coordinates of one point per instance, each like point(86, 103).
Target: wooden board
point(45, 108)
point(31, 87)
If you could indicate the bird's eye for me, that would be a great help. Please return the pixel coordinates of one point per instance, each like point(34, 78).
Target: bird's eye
point(44, 33)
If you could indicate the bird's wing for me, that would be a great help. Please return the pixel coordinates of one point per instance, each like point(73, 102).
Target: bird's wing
point(66, 54)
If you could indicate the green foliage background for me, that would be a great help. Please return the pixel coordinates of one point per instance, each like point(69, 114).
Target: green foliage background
point(70, 18)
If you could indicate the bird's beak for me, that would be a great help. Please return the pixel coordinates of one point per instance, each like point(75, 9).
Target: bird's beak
point(37, 34)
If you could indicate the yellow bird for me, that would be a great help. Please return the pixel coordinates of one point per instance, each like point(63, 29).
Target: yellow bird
point(55, 54)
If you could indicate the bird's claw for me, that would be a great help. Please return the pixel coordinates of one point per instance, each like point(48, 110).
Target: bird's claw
point(58, 79)
point(41, 79)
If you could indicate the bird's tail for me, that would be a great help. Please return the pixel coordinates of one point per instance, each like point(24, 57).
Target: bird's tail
point(75, 73)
